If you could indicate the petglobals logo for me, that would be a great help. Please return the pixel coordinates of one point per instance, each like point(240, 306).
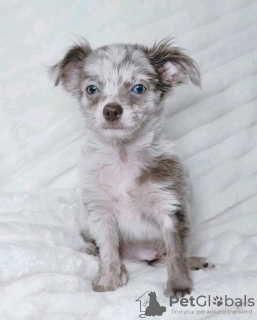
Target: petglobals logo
point(203, 301)
point(149, 305)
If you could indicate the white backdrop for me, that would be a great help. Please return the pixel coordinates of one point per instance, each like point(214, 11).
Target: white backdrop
point(215, 130)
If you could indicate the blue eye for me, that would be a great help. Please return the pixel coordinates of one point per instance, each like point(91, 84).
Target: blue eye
point(92, 89)
point(139, 88)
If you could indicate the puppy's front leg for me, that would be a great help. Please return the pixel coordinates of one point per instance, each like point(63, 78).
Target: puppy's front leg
point(179, 282)
point(112, 273)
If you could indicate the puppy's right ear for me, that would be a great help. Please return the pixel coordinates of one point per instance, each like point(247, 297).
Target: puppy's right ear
point(68, 70)
point(172, 65)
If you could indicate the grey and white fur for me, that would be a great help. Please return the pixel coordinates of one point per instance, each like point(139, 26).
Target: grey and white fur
point(133, 186)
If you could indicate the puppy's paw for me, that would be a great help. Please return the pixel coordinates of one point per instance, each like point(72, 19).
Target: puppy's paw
point(178, 289)
point(91, 249)
point(89, 245)
point(197, 263)
point(110, 281)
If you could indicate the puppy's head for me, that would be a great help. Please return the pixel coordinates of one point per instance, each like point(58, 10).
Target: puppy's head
point(119, 86)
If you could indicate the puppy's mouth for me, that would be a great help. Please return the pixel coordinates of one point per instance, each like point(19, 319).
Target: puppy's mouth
point(113, 125)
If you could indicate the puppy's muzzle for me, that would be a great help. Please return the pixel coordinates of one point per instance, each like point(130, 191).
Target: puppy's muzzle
point(112, 111)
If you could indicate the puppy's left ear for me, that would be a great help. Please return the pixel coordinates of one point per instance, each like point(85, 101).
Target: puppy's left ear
point(68, 70)
point(172, 65)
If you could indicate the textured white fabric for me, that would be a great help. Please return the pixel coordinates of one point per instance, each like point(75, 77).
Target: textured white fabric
point(43, 272)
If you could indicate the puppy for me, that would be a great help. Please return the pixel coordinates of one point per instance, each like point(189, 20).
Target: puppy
point(133, 185)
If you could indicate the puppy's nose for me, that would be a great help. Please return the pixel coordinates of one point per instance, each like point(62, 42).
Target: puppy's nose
point(112, 111)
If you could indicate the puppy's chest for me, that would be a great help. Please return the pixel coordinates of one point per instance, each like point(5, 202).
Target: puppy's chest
point(118, 178)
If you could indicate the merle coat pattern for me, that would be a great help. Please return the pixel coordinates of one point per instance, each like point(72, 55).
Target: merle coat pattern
point(133, 186)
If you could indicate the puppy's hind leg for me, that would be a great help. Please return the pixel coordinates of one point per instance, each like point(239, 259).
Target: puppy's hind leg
point(158, 263)
point(90, 245)
point(194, 263)
point(197, 263)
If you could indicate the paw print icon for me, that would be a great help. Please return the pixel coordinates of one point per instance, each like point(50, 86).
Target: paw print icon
point(217, 301)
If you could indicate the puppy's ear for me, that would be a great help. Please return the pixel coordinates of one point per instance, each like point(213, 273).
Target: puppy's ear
point(68, 70)
point(172, 65)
